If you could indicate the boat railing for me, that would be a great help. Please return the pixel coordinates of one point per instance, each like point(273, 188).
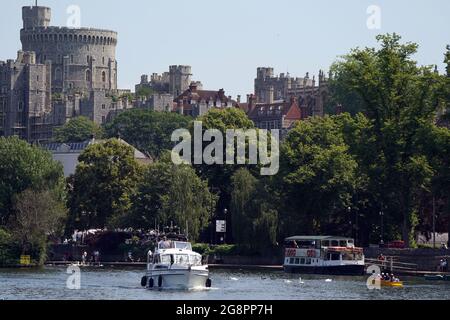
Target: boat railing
point(392, 264)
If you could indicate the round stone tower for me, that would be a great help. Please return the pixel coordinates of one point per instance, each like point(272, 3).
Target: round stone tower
point(81, 59)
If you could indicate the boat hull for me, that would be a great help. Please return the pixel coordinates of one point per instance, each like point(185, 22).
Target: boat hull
point(353, 270)
point(177, 280)
point(391, 284)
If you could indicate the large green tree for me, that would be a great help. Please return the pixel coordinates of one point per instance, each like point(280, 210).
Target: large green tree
point(219, 175)
point(317, 177)
point(22, 167)
point(39, 214)
point(78, 129)
point(102, 186)
point(254, 217)
point(148, 131)
point(400, 98)
point(170, 193)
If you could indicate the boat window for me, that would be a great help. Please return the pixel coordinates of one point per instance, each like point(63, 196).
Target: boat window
point(348, 256)
point(297, 261)
point(335, 256)
point(325, 243)
point(182, 245)
point(308, 261)
point(302, 261)
point(291, 261)
point(196, 260)
point(334, 243)
point(306, 244)
point(351, 243)
point(181, 259)
point(343, 243)
point(166, 259)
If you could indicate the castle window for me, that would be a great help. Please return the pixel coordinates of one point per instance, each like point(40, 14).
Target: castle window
point(88, 75)
point(104, 76)
point(58, 74)
point(103, 106)
point(103, 59)
point(20, 106)
point(103, 119)
point(87, 59)
point(71, 58)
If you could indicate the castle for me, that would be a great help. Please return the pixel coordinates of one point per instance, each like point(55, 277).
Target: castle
point(310, 94)
point(60, 73)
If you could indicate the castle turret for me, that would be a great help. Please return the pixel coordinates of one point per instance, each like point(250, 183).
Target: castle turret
point(35, 17)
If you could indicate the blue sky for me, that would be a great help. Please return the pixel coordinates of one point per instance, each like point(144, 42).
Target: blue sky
point(225, 41)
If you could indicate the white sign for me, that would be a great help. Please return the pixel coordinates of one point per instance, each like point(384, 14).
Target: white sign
point(221, 226)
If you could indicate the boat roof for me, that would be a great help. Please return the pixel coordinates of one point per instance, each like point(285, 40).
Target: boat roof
point(306, 238)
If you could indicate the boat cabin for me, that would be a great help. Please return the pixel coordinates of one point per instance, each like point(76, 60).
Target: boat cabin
point(321, 250)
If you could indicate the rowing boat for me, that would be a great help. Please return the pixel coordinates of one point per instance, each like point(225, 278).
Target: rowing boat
point(396, 284)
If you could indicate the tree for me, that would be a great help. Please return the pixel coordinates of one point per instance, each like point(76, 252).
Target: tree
point(254, 218)
point(219, 176)
point(39, 215)
point(145, 92)
point(102, 186)
point(399, 98)
point(23, 167)
point(169, 193)
point(78, 130)
point(148, 131)
point(317, 177)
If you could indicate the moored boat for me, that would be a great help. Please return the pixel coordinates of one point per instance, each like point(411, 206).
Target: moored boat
point(323, 255)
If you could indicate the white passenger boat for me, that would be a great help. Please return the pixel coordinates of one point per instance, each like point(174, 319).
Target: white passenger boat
point(323, 255)
point(174, 265)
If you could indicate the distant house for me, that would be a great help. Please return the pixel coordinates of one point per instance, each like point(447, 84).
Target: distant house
point(279, 115)
point(196, 102)
point(67, 153)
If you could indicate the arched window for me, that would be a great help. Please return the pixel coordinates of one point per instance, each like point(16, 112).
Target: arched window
point(104, 76)
point(88, 76)
point(87, 59)
point(58, 74)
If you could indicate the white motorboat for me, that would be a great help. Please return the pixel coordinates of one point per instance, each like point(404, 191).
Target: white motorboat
point(174, 265)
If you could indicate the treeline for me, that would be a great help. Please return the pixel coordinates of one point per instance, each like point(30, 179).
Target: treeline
point(377, 171)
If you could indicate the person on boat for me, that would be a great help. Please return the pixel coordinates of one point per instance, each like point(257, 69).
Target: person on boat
point(84, 257)
point(165, 244)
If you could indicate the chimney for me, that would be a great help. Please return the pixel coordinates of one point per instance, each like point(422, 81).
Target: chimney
point(251, 102)
point(193, 87)
point(238, 99)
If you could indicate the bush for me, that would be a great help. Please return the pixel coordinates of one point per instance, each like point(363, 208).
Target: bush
point(9, 253)
point(222, 250)
point(201, 248)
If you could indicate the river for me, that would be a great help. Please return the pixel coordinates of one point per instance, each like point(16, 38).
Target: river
point(49, 283)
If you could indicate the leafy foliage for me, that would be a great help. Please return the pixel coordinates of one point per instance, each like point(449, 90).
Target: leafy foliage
point(78, 129)
point(102, 186)
point(148, 131)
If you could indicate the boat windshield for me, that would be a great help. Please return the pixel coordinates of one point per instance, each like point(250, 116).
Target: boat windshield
point(182, 245)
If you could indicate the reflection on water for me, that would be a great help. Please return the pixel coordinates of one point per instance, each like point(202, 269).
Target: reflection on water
point(114, 284)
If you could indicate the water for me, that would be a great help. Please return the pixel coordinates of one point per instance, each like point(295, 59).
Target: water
point(117, 284)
